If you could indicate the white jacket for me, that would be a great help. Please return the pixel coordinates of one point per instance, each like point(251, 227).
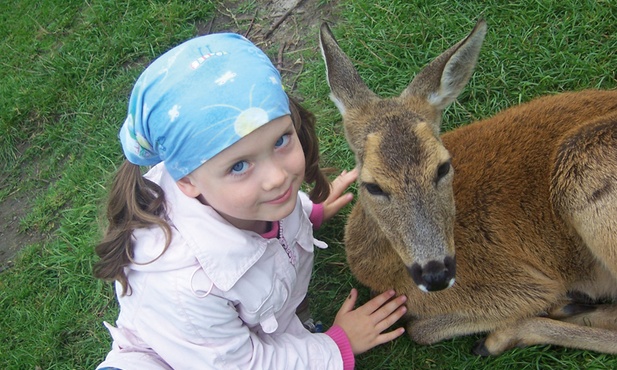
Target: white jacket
point(219, 297)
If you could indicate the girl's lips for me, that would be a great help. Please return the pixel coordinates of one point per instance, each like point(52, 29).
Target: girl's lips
point(283, 198)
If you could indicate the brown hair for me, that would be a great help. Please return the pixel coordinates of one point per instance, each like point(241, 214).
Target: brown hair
point(304, 122)
point(136, 202)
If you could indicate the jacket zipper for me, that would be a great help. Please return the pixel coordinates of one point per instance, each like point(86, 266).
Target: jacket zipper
point(283, 241)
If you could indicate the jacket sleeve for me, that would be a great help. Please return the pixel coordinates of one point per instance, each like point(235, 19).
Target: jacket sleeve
point(313, 210)
point(223, 341)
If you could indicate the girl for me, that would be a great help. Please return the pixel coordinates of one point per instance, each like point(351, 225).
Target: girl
point(212, 249)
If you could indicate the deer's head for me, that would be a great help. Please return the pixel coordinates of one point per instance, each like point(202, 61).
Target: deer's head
point(405, 181)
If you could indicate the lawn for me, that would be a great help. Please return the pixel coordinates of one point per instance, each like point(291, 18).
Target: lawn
point(67, 70)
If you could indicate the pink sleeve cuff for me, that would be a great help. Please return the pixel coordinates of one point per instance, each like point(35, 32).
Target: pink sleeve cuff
point(340, 338)
point(316, 216)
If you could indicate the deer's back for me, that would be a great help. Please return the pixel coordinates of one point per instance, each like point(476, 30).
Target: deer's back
point(503, 168)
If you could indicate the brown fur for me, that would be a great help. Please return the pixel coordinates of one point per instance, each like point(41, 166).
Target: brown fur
point(535, 223)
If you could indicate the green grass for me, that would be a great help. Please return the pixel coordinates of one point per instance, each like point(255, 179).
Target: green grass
point(65, 76)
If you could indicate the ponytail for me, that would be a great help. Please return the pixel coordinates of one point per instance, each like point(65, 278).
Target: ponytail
point(134, 202)
point(304, 122)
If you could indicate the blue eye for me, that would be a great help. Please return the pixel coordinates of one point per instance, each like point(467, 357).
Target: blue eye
point(282, 141)
point(239, 168)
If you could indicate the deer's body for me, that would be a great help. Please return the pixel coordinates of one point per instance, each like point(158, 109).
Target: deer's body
point(534, 234)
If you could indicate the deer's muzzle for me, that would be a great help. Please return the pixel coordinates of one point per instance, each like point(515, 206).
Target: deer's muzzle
point(434, 275)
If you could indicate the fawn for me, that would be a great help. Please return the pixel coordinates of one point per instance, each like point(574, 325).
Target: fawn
point(529, 255)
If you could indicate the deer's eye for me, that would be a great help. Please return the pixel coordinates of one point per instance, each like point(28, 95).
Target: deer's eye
point(373, 188)
point(443, 170)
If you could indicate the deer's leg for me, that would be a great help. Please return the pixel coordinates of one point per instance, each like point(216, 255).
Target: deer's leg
point(598, 316)
point(434, 329)
point(584, 186)
point(542, 330)
point(483, 300)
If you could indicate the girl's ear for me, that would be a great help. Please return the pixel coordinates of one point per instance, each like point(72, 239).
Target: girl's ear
point(186, 186)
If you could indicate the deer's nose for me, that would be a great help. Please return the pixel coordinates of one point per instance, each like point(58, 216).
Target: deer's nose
point(434, 275)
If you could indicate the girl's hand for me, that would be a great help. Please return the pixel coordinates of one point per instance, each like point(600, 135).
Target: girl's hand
point(337, 199)
point(364, 325)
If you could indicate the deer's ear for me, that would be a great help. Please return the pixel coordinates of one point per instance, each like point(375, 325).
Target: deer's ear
point(440, 82)
point(348, 89)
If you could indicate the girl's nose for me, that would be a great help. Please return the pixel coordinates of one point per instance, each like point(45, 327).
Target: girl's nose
point(275, 176)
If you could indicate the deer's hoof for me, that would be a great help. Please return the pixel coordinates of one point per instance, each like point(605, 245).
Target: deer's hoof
point(479, 348)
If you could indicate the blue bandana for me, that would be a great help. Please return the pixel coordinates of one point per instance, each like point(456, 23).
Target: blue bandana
point(198, 99)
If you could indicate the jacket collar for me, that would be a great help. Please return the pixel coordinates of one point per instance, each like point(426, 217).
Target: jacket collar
point(224, 252)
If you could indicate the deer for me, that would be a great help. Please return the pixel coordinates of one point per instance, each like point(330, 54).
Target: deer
point(505, 228)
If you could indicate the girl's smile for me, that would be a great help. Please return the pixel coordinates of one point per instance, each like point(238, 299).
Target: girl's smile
point(283, 198)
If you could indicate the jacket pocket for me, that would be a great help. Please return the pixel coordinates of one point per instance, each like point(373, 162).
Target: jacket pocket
point(262, 293)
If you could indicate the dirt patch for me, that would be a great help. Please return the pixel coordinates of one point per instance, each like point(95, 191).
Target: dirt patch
point(12, 238)
point(280, 27)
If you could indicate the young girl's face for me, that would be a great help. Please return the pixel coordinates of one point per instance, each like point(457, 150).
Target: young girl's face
point(255, 180)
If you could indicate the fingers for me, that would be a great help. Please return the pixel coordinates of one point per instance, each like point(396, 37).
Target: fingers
point(350, 302)
point(365, 325)
point(375, 303)
point(390, 307)
point(389, 314)
point(337, 200)
point(389, 336)
point(342, 181)
point(385, 311)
